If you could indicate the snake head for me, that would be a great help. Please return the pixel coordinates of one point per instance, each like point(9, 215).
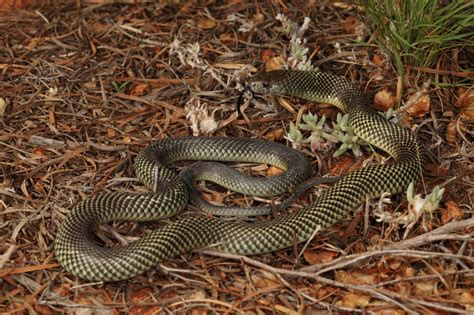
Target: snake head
point(268, 82)
point(263, 83)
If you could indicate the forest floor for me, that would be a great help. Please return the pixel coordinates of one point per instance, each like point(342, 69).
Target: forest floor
point(83, 89)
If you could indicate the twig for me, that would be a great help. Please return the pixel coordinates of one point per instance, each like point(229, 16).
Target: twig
point(437, 234)
point(385, 296)
point(349, 260)
point(6, 256)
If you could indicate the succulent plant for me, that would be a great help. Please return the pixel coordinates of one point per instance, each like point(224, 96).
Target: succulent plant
point(428, 204)
point(344, 134)
point(295, 136)
point(321, 138)
point(390, 115)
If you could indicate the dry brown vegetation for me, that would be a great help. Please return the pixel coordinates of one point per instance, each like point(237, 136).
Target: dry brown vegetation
point(84, 87)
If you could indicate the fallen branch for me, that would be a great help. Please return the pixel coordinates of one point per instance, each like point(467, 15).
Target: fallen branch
point(440, 233)
point(385, 296)
point(350, 260)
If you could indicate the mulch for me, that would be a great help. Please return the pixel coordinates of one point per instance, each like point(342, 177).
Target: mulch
point(86, 85)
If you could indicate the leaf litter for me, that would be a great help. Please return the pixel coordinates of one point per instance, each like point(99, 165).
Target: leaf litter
point(87, 85)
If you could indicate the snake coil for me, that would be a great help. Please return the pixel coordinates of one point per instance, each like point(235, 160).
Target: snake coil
point(77, 252)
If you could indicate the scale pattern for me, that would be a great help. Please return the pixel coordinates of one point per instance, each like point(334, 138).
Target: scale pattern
point(77, 253)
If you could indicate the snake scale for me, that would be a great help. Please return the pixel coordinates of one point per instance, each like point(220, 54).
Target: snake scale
point(77, 252)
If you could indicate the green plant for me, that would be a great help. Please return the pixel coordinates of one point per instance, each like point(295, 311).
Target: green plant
point(295, 136)
point(322, 136)
point(120, 88)
point(344, 134)
point(418, 32)
point(298, 58)
point(428, 204)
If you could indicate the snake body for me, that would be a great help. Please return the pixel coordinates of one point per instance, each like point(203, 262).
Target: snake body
point(77, 252)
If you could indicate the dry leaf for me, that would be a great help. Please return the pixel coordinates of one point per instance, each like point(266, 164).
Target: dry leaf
point(356, 277)
point(65, 127)
point(259, 18)
point(384, 100)
point(260, 282)
point(3, 106)
point(197, 295)
point(378, 59)
point(350, 24)
point(34, 42)
point(139, 89)
point(39, 187)
point(100, 28)
point(285, 310)
point(322, 256)
point(467, 299)
point(275, 63)
point(275, 134)
point(206, 24)
point(409, 272)
point(451, 132)
point(329, 112)
point(83, 301)
point(465, 98)
point(354, 26)
point(214, 198)
point(52, 116)
point(425, 288)
point(468, 113)
point(341, 166)
point(43, 309)
point(111, 133)
point(437, 169)
point(259, 168)
point(286, 105)
point(377, 76)
point(265, 279)
point(421, 105)
point(452, 212)
point(267, 55)
point(402, 287)
point(228, 38)
point(353, 300)
point(38, 151)
point(90, 85)
point(274, 171)
point(141, 295)
point(394, 264)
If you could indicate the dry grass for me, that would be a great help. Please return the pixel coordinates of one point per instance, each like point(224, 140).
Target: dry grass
point(86, 88)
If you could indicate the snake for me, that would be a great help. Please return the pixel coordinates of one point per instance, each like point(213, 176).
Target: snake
point(79, 253)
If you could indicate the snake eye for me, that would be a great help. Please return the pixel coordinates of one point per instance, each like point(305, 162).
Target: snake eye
point(266, 85)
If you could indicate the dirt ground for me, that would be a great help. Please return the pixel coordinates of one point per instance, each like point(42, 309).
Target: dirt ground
point(85, 86)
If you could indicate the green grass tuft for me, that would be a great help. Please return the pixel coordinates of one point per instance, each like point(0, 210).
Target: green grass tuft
point(418, 32)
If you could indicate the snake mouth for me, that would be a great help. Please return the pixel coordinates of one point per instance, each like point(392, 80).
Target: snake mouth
point(244, 97)
point(261, 83)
